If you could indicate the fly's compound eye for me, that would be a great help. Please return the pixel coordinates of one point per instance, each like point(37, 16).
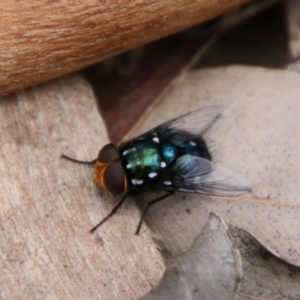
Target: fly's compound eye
point(114, 178)
point(109, 172)
point(108, 153)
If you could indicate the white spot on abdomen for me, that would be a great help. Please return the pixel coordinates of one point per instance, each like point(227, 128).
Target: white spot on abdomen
point(152, 175)
point(136, 181)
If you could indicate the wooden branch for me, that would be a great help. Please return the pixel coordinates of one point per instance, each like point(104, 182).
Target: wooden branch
point(46, 39)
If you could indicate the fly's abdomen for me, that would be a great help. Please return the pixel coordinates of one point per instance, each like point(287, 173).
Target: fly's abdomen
point(195, 147)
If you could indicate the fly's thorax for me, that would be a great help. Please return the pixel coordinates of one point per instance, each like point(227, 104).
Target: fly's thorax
point(143, 160)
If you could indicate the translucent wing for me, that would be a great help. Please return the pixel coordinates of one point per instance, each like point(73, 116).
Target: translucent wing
point(199, 175)
point(195, 173)
point(195, 123)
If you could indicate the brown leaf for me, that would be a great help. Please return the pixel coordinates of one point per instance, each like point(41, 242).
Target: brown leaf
point(292, 18)
point(48, 205)
point(127, 85)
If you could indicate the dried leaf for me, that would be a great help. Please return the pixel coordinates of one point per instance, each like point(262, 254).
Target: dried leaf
point(292, 17)
point(127, 85)
point(265, 276)
point(48, 205)
point(211, 269)
point(258, 139)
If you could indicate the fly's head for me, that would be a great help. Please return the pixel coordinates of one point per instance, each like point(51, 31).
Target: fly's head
point(109, 172)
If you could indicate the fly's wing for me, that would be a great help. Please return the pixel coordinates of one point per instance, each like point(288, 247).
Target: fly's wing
point(196, 122)
point(194, 173)
point(199, 175)
point(191, 124)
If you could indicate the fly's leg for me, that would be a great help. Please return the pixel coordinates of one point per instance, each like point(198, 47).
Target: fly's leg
point(113, 211)
point(148, 206)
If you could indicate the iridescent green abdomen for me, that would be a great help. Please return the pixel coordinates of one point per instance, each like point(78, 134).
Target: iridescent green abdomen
point(147, 159)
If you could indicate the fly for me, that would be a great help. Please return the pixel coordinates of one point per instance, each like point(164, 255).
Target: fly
point(172, 157)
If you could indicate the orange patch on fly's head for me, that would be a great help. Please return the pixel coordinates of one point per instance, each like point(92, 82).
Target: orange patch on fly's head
point(111, 176)
point(125, 184)
point(99, 173)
